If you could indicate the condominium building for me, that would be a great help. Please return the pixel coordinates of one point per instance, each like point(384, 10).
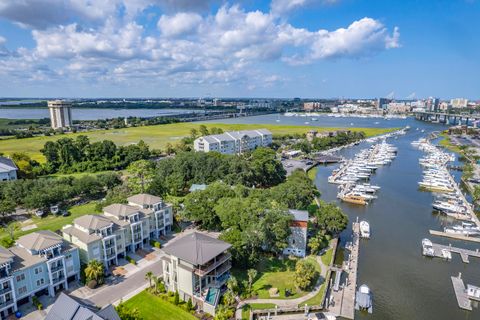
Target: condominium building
point(122, 228)
point(40, 263)
point(60, 114)
point(8, 169)
point(459, 103)
point(197, 266)
point(234, 142)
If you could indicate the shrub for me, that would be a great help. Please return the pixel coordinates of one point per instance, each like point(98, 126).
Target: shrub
point(131, 260)
point(92, 284)
point(176, 299)
point(189, 304)
point(155, 244)
point(36, 303)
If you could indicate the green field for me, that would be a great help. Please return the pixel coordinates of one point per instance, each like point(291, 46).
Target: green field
point(52, 222)
point(156, 136)
point(152, 308)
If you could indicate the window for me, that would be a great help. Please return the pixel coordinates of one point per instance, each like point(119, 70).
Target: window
point(40, 282)
point(20, 277)
point(38, 270)
point(22, 290)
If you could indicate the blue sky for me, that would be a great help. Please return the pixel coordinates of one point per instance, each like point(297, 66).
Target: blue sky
point(276, 48)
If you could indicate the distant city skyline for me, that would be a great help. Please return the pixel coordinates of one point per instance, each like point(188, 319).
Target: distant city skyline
point(208, 48)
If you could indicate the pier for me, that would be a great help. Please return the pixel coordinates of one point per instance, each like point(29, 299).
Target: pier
point(344, 299)
point(461, 293)
point(464, 253)
point(454, 236)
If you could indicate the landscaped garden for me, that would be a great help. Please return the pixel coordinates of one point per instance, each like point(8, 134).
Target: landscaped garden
point(152, 307)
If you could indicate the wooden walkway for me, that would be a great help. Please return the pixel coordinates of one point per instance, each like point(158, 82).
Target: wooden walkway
point(344, 299)
point(461, 294)
point(454, 236)
point(464, 253)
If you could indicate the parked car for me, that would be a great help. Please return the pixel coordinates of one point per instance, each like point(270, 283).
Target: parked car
point(39, 212)
point(54, 209)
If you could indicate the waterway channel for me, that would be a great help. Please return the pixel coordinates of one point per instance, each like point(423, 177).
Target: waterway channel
point(405, 284)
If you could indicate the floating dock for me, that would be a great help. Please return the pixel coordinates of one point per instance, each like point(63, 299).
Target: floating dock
point(454, 236)
point(464, 253)
point(461, 293)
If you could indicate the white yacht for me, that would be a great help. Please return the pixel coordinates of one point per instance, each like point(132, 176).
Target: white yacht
point(364, 229)
point(427, 248)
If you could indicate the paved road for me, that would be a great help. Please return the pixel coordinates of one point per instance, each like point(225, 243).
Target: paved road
point(113, 293)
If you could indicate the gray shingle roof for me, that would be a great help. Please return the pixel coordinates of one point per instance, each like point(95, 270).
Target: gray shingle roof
point(39, 240)
point(92, 222)
point(5, 255)
point(144, 199)
point(68, 308)
point(7, 164)
point(196, 248)
point(299, 215)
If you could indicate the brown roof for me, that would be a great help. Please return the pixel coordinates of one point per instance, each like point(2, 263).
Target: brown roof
point(120, 210)
point(39, 240)
point(196, 248)
point(93, 222)
point(5, 255)
point(80, 235)
point(144, 199)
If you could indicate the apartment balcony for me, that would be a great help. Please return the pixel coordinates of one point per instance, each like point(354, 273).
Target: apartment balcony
point(56, 268)
point(58, 279)
point(6, 303)
point(210, 266)
point(110, 255)
point(5, 290)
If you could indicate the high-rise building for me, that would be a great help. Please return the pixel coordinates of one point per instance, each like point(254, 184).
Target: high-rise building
point(432, 104)
point(459, 103)
point(60, 114)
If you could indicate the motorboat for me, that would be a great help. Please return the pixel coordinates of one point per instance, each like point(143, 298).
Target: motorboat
point(427, 248)
point(364, 299)
point(354, 199)
point(364, 229)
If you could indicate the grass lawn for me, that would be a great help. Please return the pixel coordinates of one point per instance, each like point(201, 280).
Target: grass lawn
point(155, 136)
point(275, 273)
point(255, 306)
point(312, 173)
point(327, 257)
point(446, 142)
point(52, 222)
point(82, 174)
point(152, 308)
point(318, 298)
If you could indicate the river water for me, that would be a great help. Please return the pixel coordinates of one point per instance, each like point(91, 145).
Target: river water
point(91, 113)
point(405, 284)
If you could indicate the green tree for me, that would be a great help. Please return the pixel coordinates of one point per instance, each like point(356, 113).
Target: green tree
point(203, 130)
point(223, 313)
point(141, 174)
point(267, 170)
point(251, 275)
point(189, 304)
point(176, 298)
point(305, 273)
point(331, 218)
point(149, 276)
point(7, 206)
point(94, 271)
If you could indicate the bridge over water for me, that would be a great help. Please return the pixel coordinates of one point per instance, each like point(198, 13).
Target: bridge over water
point(447, 118)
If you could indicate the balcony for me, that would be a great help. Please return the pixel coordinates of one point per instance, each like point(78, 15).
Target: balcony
point(5, 290)
point(55, 268)
point(110, 255)
point(210, 266)
point(58, 279)
point(5, 303)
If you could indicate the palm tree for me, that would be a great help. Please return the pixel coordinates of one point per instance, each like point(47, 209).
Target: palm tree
point(252, 274)
point(149, 276)
point(94, 271)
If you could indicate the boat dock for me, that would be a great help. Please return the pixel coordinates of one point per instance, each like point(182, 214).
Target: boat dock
point(464, 253)
point(334, 177)
point(344, 299)
point(461, 293)
point(454, 236)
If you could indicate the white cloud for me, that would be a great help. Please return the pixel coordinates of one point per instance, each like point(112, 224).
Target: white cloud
point(282, 7)
point(179, 24)
point(228, 46)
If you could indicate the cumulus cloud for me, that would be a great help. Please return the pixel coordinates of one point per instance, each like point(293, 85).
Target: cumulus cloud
point(227, 46)
point(179, 24)
point(281, 7)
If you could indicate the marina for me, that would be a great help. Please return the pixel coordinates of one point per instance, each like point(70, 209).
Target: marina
point(461, 294)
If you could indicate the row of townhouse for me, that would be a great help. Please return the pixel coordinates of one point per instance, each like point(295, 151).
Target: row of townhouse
point(234, 142)
point(40, 263)
point(122, 228)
